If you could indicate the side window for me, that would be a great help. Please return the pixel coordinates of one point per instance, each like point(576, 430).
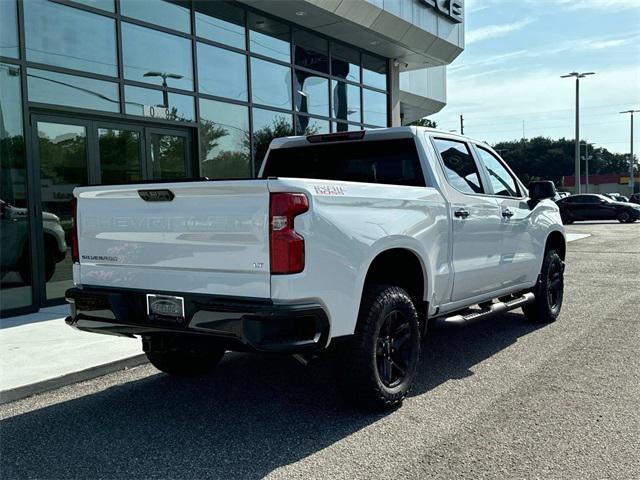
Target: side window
point(459, 166)
point(502, 182)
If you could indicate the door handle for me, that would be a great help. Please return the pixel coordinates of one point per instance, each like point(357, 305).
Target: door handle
point(506, 213)
point(461, 213)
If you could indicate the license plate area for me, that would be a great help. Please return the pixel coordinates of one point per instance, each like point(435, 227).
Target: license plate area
point(165, 308)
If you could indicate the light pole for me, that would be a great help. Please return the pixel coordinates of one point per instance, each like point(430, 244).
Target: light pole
point(577, 76)
point(164, 76)
point(631, 179)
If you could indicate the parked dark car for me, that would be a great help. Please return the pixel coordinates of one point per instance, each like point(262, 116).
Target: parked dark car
point(635, 198)
point(596, 207)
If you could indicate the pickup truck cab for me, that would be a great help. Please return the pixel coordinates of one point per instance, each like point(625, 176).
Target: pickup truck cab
point(346, 242)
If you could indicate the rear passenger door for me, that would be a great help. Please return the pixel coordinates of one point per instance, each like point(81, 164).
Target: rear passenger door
point(476, 222)
point(518, 247)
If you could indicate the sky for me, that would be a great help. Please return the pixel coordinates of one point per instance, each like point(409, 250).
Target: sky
point(515, 52)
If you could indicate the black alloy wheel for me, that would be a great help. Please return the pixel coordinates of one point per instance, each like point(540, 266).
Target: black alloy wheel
point(393, 349)
point(555, 285)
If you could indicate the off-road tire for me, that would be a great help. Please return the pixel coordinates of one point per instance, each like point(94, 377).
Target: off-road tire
point(549, 294)
point(186, 363)
point(359, 359)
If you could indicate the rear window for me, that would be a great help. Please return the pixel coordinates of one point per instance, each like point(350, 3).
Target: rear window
point(393, 162)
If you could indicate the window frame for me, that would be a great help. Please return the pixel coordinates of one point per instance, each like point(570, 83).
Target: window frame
point(481, 173)
point(476, 147)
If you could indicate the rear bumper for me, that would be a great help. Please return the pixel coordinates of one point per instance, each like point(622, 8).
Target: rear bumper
point(243, 324)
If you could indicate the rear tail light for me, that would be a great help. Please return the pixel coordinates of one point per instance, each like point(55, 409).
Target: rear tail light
point(286, 246)
point(75, 252)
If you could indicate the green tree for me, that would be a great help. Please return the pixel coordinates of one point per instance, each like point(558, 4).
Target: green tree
point(541, 158)
point(424, 122)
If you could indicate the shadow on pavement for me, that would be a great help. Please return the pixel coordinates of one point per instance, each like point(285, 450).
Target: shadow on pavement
point(255, 414)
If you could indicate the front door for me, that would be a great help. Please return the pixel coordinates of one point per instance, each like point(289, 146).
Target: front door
point(519, 252)
point(72, 152)
point(62, 163)
point(168, 154)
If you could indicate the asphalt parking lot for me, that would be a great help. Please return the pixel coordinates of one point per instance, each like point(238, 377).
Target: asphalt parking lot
point(500, 398)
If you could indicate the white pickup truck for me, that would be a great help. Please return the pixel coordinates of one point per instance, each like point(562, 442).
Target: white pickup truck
point(350, 240)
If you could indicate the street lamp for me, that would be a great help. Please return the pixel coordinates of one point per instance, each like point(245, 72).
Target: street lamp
point(631, 179)
point(164, 76)
point(577, 76)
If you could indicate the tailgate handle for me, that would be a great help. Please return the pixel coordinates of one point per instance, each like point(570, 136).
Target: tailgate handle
point(163, 195)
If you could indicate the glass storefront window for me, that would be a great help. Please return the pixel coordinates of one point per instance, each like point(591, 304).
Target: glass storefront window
point(75, 39)
point(71, 91)
point(346, 101)
point(107, 5)
point(221, 72)
point(374, 71)
point(137, 101)
point(311, 93)
point(269, 38)
point(15, 274)
point(311, 126)
point(224, 140)
point(62, 150)
point(270, 84)
point(221, 22)
point(311, 51)
point(268, 125)
point(374, 108)
point(120, 155)
point(159, 12)
point(9, 29)
point(345, 127)
point(345, 62)
point(146, 57)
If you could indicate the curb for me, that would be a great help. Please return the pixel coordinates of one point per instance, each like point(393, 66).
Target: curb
point(24, 391)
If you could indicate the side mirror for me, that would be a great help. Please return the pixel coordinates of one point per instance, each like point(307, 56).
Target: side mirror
point(541, 191)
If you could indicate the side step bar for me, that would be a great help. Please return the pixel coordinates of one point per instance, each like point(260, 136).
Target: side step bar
point(493, 309)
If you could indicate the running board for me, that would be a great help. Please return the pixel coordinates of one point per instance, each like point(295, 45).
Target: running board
point(496, 308)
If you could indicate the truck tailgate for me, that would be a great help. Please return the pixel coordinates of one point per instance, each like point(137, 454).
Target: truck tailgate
point(212, 237)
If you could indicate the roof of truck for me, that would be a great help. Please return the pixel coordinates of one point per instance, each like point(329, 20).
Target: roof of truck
point(373, 134)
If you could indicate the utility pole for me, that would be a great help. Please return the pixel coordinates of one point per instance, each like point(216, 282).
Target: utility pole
point(577, 76)
point(631, 179)
point(461, 125)
point(586, 167)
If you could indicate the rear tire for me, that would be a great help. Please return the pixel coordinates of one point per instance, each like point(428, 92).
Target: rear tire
point(183, 361)
point(375, 367)
point(549, 290)
point(566, 219)
point(625, 217)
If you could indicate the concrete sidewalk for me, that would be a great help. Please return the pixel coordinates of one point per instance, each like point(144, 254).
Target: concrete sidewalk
point(40, 352)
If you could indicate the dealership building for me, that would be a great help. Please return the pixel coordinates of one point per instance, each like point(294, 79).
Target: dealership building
point(113, 91)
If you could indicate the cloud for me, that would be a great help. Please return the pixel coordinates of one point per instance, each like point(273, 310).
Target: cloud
point(472, 6)
point(494, 109)
point(609, 5)
point(495, 31)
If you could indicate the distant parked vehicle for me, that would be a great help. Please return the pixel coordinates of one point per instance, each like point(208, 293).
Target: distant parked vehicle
point(15, 251)
point(596, 207)
point(560, 195)
point(617, 197)
point(635, 198)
